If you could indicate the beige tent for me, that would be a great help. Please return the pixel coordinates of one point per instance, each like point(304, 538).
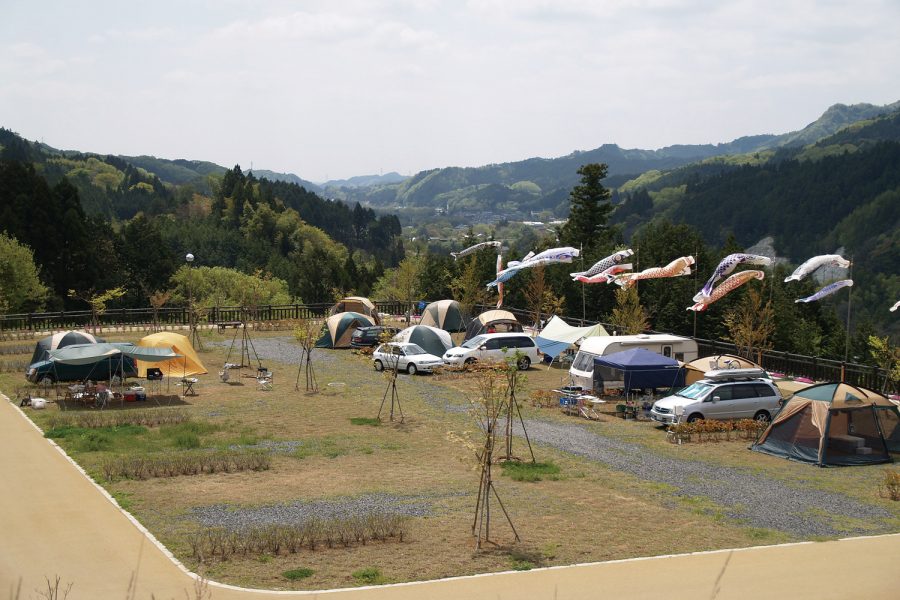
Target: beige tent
point(444, 314)
point(499, 320)
point(834, 424)
point(339, 328)
point(184, 366)
point(357, 304)
point(696, 369)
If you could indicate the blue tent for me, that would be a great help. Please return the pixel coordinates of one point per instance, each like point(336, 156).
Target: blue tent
point(637, 368)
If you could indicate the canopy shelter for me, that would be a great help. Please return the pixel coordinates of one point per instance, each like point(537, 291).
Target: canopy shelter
point(339, 329)
point(60, 340)
point(357, 304)
point(499, 320)
point(186, 365)
point(697, 368)
point(103, 360)
point(557, 336)
point(637, 368)
point(834, 424)
point(444, 314)
point(431, 339)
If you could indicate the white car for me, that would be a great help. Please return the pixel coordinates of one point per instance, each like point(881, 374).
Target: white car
point(494, 347)
point(404, 357)
point(725, 394)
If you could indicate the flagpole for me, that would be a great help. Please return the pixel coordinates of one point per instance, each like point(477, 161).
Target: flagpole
point(581, 254)
point(849, 298)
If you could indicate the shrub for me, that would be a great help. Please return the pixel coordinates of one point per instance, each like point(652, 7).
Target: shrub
point(187, 440)
point(713, 430)
point(891, 484)
point(531, 472)
point(184, 463)
point(295, 574)
point(118, 418)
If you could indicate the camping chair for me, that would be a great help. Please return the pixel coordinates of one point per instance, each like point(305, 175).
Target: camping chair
point(264, 379)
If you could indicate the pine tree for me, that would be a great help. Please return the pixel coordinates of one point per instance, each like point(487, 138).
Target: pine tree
point(589, 209)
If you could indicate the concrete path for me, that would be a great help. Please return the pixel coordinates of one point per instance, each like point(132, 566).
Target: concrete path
point(54, 521)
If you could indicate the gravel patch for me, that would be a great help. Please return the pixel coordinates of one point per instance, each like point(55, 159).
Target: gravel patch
point(283, 349)
point(236, 519)
point(756, 500)
point(272, 447)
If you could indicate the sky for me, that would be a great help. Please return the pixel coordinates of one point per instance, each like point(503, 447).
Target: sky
point(336, 88)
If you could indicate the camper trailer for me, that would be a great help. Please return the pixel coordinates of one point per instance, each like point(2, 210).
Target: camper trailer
point(673, 346)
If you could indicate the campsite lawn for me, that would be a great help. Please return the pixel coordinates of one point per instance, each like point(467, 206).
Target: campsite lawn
point(326, 448)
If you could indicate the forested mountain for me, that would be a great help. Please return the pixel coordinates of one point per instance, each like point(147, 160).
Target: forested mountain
point(99, 222)
point(538, 184)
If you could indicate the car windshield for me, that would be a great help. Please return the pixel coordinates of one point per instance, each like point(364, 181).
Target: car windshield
point(695, 391)
point(412, 350)
point(475, 342)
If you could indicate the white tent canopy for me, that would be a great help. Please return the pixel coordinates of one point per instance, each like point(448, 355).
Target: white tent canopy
point(557, 335)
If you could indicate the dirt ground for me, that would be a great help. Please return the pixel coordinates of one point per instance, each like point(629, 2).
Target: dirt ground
point(587, 512)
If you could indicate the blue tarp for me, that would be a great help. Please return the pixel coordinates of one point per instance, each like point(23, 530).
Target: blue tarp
point(638, 368)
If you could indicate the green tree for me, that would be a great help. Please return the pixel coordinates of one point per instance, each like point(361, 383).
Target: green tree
point(401, 283)
point(589, 209)
point(20, 285)
point(628, 315)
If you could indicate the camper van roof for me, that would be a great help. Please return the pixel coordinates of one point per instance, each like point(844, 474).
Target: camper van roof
point(596, 342)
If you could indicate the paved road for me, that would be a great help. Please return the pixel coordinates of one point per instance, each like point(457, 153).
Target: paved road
point(55, 521)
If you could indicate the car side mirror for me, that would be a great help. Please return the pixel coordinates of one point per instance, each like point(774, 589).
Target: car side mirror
point(716, 398)
point(483, 348)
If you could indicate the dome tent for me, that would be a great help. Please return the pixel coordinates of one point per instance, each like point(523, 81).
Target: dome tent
point(339, 329)
point(357, 304)
point(431, 339)
point(186, 365)
point(697, 368)
point(834, 424)
point(444, 314)
point(502, 320)
point(60, 340)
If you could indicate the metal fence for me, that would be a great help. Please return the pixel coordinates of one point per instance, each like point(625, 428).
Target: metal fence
point(32, 324)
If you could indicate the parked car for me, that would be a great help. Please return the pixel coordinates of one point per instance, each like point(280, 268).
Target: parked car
point(725, 394)
point(366, 337)
point(405, 357)
point(47, 371)
point(494, 347)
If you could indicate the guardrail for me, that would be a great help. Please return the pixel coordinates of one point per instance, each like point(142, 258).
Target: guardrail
point(795, 365)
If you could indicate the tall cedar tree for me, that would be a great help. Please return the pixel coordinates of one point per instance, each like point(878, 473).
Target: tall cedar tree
point(590, 208)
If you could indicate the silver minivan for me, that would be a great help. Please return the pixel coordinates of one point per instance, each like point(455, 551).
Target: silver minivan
point(494, 347)
point(726, 394)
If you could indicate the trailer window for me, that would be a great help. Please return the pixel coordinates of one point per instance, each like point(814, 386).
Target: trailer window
point(584, 361)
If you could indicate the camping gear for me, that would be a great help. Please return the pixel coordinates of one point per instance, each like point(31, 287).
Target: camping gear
point(339, 329)
point(357, 304)
point(186, 365)
point(557, 336)
point(697, 368)
point(431, 339)
point(492, 321)
point(834, 424)
point(637, 368)
point(60, 340)
point(444, 314)
point(38, 403)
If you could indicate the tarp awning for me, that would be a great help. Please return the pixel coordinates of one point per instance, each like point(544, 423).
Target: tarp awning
point(85, 354)
point(557, 335)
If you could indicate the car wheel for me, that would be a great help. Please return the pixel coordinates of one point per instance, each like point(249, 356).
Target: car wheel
point(411, 368)
point(470, 361)
point(762, 417)
point(379, 366)
point(524, 363)
point(695, 417)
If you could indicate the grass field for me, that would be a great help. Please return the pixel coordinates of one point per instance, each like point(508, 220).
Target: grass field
point(329, 448)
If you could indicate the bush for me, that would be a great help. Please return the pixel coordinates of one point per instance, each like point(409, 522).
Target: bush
point(713, 430)
point(187, 440)
point(295, 574)
point(118, 418)
point(184, 463)
point(891, 484)
point(531, 472)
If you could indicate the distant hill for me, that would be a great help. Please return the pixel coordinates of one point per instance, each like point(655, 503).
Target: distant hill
point(286, 178)
point(365, 180)
point(543, 183)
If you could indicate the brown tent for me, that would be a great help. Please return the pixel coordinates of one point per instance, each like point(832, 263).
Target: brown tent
point(696, 369)
point(834, 424)
point(499, 320)
point(357, 304)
